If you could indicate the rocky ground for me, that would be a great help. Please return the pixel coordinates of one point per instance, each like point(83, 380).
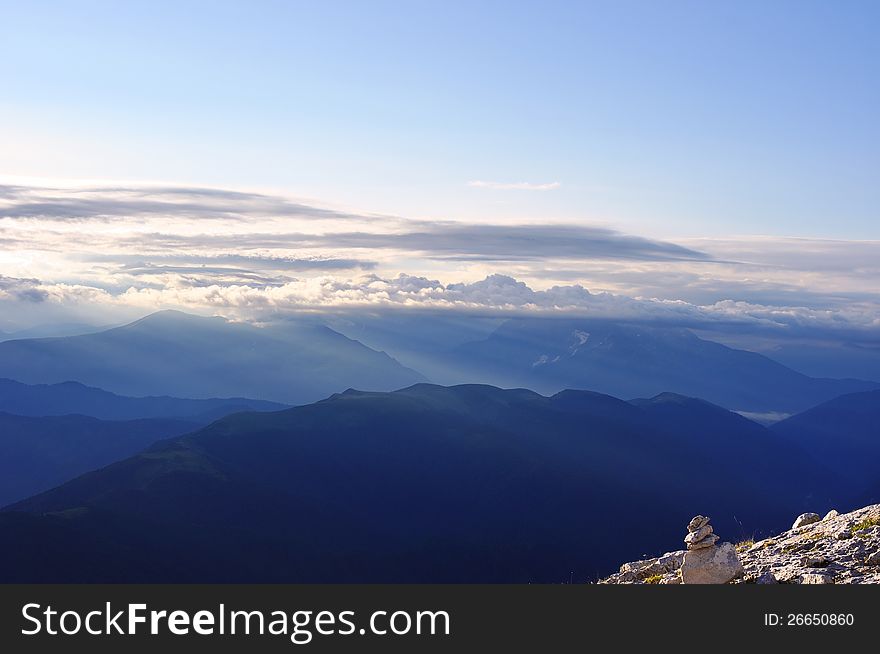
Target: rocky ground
point(836, 549)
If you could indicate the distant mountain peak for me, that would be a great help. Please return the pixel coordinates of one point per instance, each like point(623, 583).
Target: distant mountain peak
point(174, 353)
point(175, 317)
point(668, 397)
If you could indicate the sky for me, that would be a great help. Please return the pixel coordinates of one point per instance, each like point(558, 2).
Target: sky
point(696, 161)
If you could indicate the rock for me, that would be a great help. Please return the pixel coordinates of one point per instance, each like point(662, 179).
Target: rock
point(766, 578)
point(788, 573)
point(831, 514)
point(697, 522)
point(767, 542)
point(805, 519)
point(699, 534)
point(709, 541)
point(813, 561)
point(816, 578)
point(711, 565)
point(671, 561)
point(638, 571)
point(840, 549)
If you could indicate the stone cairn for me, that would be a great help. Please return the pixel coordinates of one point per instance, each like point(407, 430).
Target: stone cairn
point(704, 561)
point(700, 533)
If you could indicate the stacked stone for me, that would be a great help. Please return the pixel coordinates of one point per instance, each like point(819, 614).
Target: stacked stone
point(704, 562)
point(700, 534)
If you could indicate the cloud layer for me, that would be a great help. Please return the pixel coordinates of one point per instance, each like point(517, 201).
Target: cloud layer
point(111, 250)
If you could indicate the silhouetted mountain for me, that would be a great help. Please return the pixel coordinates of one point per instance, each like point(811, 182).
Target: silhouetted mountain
point(73, 397)
point(469, 483)
point(173, 353)
point(636, 361)
point(39, 453)
point(842, 435)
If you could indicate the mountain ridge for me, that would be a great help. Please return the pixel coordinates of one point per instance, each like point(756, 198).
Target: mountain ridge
point(72, 397)
point(178, 354)
point(634, 360)
point(428, 483)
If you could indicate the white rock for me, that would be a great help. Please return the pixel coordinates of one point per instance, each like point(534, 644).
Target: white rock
point(813, 561)
point(708, 541)
point(699, 534)
point(816, 578)
point(805, 519)
point(831, 514)
point(711, 565)
point(697, 521)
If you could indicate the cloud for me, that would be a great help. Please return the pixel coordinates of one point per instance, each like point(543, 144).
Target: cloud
point(515, 186)
point(27, 290)
point(247, 255)
point(228, 262)
point(456, 241)
point(516, 242)
point(118, 203)
point(496, 295)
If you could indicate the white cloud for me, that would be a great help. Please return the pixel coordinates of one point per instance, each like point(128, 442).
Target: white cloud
point(496, 295)
point(515, 186)
point(118, 250)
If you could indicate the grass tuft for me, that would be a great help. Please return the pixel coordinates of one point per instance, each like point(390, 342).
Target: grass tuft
point(865, 524)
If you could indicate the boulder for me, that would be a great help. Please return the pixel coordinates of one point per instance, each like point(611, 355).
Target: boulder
point(805, 519)
point(831, 514)
point(711, 565)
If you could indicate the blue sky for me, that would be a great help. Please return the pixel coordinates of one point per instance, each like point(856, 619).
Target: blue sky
point(693, 162)
point(678, 119)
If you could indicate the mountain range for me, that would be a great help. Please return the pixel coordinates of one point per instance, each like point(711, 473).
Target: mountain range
point(429, 483)
point(173, 353)
point(75, 398)
point(104, 452)
point(50, 434)
point(629, 361)
point(301, 361)
point(37, 453)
